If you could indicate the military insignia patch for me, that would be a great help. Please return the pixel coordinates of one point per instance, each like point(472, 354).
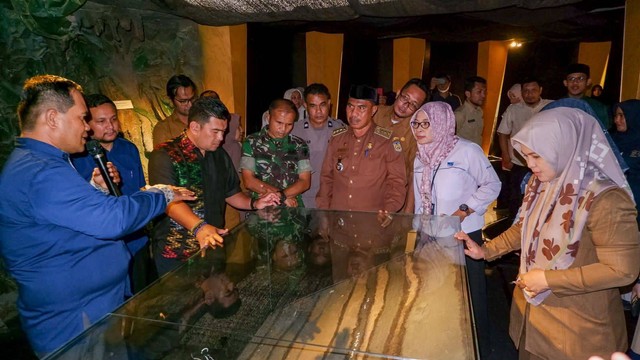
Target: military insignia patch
point(397, 146)
point(384, 132)
point(337, 132)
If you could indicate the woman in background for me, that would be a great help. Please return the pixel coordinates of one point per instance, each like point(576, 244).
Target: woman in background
point(626, 134)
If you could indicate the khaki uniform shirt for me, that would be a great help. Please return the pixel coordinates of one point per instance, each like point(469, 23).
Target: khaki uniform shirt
point(401, 132)
point(167, 129)
point(363, 174)
point(469, 122)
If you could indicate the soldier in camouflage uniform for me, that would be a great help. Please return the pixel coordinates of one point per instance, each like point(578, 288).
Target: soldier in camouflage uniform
point(273, 161)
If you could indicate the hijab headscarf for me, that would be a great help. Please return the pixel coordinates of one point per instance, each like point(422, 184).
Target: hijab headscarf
point(443, 129)
point(628, 140)
point(584, 106)
point(289, 93)
point(302, 111)
point(553, 214)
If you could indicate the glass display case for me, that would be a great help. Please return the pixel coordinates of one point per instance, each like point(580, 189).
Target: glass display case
point(298, 284)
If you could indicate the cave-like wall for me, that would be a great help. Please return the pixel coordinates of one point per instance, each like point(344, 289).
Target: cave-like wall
point(124, 54)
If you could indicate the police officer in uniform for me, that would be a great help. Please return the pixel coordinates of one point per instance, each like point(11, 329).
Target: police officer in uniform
point(363, 168)
point(316, 130)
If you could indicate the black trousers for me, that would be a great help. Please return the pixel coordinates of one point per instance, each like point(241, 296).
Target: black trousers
point(478, 288)
point(516, 175)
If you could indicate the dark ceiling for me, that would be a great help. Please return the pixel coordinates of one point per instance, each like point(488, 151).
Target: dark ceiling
point(436, 20)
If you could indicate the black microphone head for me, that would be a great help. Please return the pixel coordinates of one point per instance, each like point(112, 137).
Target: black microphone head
point(94, 148)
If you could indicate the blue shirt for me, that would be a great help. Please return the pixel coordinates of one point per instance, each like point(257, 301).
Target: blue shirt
point(55, 239)
point(125, 156)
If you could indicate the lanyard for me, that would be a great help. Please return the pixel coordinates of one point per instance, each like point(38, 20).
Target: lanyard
point(433, 179)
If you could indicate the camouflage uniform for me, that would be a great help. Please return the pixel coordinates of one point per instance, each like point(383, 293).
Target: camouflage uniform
point(277, 162)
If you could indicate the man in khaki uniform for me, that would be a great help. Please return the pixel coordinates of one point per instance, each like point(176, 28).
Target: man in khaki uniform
point(397, 117)
point(363, 168)
point(469, 120)
point(181, 90)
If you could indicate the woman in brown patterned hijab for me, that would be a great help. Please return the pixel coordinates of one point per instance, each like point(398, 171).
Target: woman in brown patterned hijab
point(578, 238)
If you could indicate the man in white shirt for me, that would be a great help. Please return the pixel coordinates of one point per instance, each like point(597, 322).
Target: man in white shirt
point(513, 120)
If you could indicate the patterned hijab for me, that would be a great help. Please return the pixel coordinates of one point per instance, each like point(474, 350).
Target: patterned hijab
point(443, 129)
point(554, 213)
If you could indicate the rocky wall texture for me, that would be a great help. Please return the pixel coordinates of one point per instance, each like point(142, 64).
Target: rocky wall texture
point(124, 54)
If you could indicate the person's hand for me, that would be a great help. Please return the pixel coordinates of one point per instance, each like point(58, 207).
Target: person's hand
point(384, 218)
point(291, 202)
point(269, 199)
point(461, 214)
point(210, 236)
point(266, 189)
point(114, 174)
point(182, 194)
point(506, 163)
point(472, 250)
point(533, 283)
point(635, 292)
point(614, 356)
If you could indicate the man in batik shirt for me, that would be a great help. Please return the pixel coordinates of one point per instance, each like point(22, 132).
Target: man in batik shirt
point(196, 161)
point(273, 161)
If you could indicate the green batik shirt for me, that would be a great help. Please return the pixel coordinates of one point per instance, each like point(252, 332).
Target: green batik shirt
point(277, 162)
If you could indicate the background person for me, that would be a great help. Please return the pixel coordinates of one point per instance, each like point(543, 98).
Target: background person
point(578, 239)
point(316, 131)
point(105, 127)
point(469, 116)
point(181, 90)
point(626, 134)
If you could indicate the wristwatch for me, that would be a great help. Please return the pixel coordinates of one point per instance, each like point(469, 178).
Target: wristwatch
point(465, 209)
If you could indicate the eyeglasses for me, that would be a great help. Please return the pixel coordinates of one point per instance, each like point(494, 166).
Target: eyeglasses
point(406, 100)
point(185, 101)
point(424, 125)
point(576, 78)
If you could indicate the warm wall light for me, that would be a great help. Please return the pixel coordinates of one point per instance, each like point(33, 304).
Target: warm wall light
point(515, 44)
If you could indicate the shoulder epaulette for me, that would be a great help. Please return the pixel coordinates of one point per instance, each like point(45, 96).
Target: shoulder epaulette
point(337, 132)
point(384, 132)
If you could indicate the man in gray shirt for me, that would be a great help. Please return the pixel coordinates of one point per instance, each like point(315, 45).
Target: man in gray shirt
point(316, 131)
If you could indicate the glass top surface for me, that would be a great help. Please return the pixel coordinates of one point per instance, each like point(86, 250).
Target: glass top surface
point(302, 283)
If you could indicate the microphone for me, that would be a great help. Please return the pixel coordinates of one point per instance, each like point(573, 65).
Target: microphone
point(97, 153)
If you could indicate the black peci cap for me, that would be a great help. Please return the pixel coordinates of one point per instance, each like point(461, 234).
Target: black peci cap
point(578, 68)
point(363, 92)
